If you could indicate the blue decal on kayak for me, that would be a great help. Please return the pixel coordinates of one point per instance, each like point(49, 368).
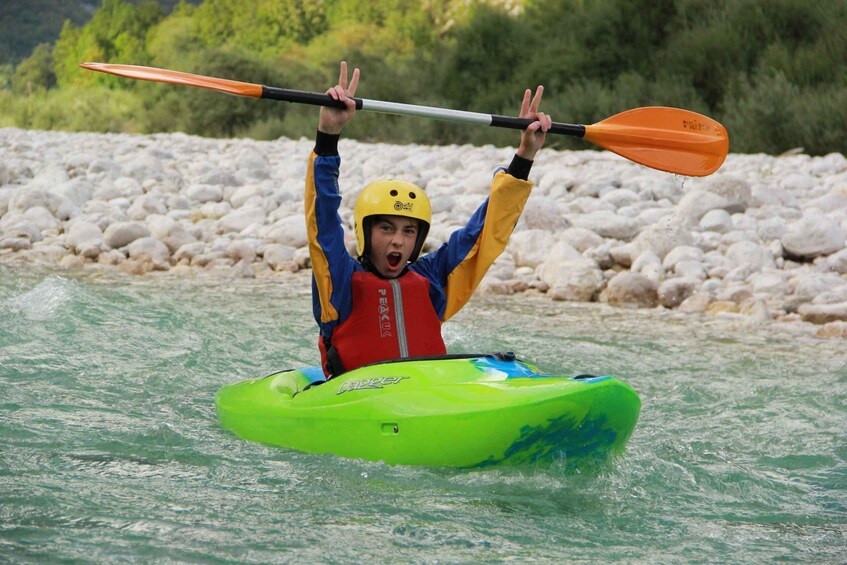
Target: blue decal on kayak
point(561, 437)
point(517, 370)
point(506, 369)
point(314, 374)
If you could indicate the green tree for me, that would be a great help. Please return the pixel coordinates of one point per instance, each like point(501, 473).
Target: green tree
point(173, 41)
point(6, 72)
point(116, 33)
point(214, 114)
point(487, 63)
point(24, 24)
point(768, 113)
point(264, 28)
point(773, 71)
point(423, 23)
point(35, 72)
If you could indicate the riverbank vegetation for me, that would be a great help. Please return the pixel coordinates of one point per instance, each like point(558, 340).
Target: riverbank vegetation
point(773, 71)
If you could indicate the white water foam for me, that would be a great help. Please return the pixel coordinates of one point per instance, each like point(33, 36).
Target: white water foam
point(45, 300)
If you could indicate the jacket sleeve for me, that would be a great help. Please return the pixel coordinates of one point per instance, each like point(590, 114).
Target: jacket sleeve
point(332, 265)
point(461, 263)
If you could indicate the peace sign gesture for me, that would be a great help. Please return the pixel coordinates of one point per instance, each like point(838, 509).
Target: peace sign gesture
point(532, 138)
point(332, 120)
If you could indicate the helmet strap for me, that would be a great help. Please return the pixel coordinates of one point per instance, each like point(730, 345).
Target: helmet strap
point(423, 230)
point(367, 224)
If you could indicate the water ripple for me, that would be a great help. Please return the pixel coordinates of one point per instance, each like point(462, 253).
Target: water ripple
point(110, 448)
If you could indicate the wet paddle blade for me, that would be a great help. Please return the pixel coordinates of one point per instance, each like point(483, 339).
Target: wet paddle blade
point(669, 139)
point(177, 77)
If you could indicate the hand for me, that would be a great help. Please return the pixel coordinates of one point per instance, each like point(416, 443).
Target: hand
point(532, 138)
point(332, 120)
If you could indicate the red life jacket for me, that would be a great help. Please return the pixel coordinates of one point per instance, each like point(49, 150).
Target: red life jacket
point(390, 319)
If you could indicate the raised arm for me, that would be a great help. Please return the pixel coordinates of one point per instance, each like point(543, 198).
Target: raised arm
point(461, 264)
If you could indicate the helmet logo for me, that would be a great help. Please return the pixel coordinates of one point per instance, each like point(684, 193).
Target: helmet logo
point(401, 207)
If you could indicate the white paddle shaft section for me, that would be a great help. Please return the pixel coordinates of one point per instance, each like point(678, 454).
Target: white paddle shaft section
point(447, 114)
point(398, 108)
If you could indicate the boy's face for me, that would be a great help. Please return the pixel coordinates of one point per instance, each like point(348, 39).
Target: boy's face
point(392, 242)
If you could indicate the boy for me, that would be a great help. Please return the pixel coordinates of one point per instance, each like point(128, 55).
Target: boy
point(389, 303)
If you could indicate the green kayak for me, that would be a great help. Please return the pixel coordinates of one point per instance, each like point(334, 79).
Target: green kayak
point(457, 411)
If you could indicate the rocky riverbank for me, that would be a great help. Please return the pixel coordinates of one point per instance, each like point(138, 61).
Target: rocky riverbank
point(763, 237)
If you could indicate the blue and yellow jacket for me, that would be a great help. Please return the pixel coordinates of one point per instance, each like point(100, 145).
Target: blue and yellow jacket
point(454, 270)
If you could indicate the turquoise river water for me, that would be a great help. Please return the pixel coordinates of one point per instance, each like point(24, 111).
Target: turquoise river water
point(110, 450)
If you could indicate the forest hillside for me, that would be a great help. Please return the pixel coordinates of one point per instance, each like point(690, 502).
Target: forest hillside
point(773, 71)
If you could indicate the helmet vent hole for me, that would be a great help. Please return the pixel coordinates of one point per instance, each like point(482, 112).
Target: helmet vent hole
point(412, 195)
point(393, 193)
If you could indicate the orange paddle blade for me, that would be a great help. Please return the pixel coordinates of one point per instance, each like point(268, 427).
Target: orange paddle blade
point(669, 139)
point(177, 77)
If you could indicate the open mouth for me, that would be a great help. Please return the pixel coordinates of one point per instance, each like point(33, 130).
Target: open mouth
point(394, 260)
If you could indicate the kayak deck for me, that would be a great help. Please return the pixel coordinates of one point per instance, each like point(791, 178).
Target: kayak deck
point(461, 412)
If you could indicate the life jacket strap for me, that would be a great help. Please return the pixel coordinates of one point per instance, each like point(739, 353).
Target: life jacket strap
point(334, 366)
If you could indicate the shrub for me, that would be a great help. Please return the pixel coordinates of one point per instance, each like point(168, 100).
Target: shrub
point(204, 112)
point(757, 116)
point(78, 109)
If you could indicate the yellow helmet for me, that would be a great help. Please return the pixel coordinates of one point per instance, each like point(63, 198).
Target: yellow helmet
point(391, 197)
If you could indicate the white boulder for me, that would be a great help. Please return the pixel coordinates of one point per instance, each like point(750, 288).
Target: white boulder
point(530, 248)
point(581, 239)
point(649, 265)
point(696, 203)
point(169, 231)
point(682, 253)
point(279, 257)
point(813, 235)
point(607, 223)
point(542, 212)
point(575, 280)
point(837, 262)
point(718, 221)
point(85, 239)
point(203, 193)
point(751, 254)
point(661, 238)
point(735, 189)
point(149, 249)
point(632, 290)
point(673, 292)
point(823, 313)
point(241, 219)
point(120, 234)
point(290, 230)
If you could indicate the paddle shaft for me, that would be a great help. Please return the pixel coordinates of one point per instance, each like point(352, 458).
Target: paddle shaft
point(460, 116)
point(668, 139)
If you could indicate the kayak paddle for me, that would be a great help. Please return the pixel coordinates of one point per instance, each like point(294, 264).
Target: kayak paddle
point(668, 139)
